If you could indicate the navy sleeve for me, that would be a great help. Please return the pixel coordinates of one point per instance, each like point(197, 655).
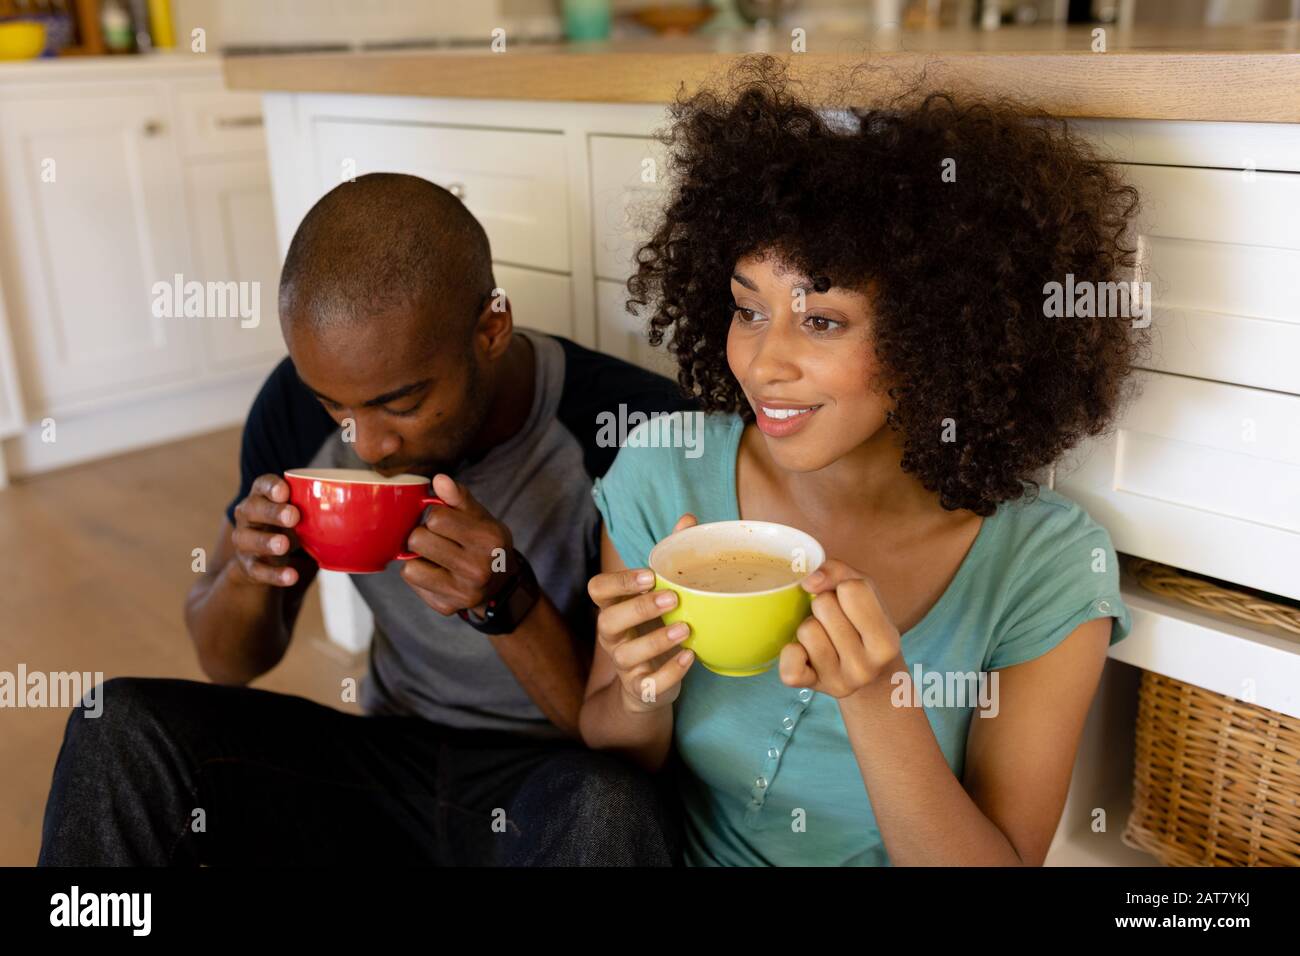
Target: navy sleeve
point(285, 428)
point(595, 382)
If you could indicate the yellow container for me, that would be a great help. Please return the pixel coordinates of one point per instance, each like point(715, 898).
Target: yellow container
point(738, 635)
point(160, 24)
point(21, 40)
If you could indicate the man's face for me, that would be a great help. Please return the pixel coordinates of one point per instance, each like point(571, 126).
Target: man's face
point(414, 392)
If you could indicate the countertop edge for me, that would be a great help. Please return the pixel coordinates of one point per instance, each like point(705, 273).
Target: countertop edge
point(1177, 85)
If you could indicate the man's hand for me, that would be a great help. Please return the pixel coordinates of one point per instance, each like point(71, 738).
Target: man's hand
point(465, 553)
point(267, 550)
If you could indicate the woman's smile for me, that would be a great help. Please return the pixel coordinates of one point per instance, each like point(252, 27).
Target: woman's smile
point(779, 419)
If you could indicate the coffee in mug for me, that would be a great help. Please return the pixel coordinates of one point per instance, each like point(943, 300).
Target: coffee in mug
point(734, 572)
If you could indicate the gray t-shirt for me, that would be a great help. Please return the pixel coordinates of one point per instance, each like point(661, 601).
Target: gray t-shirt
point(538, 483)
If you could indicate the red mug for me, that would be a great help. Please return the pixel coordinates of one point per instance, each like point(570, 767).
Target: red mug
point(355, 520)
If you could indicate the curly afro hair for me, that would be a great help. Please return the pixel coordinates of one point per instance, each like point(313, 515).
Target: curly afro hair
point(856, 198)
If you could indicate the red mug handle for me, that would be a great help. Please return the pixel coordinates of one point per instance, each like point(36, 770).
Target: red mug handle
point(411, 555)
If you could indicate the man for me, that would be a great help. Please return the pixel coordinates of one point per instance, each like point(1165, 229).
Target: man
point(402, 358)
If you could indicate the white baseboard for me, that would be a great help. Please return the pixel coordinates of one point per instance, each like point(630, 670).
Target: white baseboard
point(98, 434)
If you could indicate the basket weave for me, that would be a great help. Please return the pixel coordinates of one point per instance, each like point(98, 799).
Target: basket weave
point(1170, 582)
point(1216, 780)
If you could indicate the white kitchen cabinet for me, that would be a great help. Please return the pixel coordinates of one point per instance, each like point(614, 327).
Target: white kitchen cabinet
point(93, 188)
point(1203, 476)
point(117, 174)
point(627, 185)
point(216, 122)
point(539, 300)
point(233, 231)
point(620, 333)
point(11, 403)
point(1222, 247)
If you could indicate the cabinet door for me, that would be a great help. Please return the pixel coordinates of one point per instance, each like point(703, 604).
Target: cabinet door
point(627, 191)
point(233, 228)
point(622, 334)
point(94, 221)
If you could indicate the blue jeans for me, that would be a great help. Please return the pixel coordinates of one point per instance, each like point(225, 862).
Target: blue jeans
point(177, 772)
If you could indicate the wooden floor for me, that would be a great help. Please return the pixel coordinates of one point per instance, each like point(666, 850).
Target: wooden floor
point(95, 562)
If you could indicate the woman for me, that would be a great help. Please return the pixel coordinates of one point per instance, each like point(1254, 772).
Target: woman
point(860, 310)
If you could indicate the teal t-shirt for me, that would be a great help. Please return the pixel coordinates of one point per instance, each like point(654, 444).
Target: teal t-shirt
point(770, 775)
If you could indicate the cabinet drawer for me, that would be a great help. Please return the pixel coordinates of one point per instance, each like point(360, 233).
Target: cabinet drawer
point(626, 190)
point(218, 122)
point(539, 300)
point(1223, 252)
point(1202, 476)
point(513, 182)
point(622, 334)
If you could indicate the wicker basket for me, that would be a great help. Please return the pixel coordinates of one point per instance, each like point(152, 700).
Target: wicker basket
point(1216, 779)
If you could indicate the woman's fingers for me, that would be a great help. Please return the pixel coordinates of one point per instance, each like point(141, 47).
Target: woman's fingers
point(829, 576)
point(794, 667)
point(685, 521)
point(635, 651)
point(611, 586)
point(821, 652)
point(616, 619)
point(844, 637)
point(649, 688)
point(862, 606)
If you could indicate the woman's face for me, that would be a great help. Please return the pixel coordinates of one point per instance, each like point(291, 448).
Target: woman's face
point(807, 367)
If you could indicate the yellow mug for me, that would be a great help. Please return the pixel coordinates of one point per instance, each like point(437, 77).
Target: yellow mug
point(738, 634)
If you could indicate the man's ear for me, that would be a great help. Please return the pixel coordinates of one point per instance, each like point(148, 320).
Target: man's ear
point(494, 325)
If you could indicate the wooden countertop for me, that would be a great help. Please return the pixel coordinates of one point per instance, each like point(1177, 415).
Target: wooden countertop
point(1245, 73)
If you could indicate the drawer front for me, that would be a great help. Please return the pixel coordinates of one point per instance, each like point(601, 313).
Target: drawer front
point(1202, 476)
point(1223, 252)
point(539, 300)
point(513, 182)
point(626, 190)
point(219, 122)
point(622, 334)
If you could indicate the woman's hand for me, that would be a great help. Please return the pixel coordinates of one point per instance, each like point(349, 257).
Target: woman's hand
point(848, 641)
point(650, 669)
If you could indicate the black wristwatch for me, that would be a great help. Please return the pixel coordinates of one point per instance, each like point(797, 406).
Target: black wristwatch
point(506, 609)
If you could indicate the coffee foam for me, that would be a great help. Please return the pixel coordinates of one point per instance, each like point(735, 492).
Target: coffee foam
point(359, 476)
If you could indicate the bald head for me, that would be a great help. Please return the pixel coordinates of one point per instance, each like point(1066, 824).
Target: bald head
point(386, 243)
